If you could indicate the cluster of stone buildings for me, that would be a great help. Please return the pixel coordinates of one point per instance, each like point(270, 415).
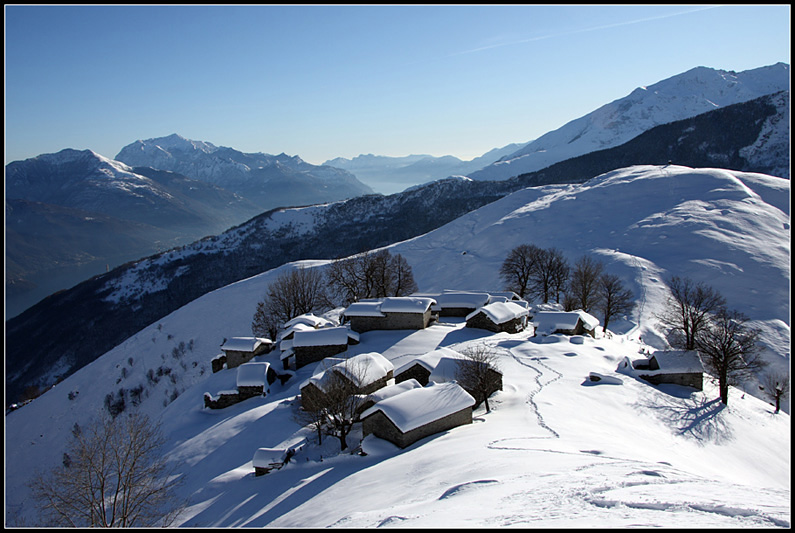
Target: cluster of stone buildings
point(421, 397)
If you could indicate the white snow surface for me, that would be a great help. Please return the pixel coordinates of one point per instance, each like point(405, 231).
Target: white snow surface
point(556, 450)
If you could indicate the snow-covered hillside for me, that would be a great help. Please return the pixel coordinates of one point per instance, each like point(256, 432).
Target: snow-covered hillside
point(685, 95)
point(558, 450)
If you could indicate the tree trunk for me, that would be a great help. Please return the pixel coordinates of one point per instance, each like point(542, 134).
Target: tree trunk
point(724, 391)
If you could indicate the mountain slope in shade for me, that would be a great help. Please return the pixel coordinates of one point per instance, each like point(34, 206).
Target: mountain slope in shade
point(75, 213)
point(694, 92)
point(571, 442)
point(267, 180)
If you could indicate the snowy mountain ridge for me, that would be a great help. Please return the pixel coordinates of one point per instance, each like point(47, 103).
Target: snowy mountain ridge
point(696, 91)
point(558, 449)
point(269, 180)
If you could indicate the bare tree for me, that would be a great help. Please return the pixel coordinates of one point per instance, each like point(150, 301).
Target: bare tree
point(688, 310)
point(477, 373)
point(614, 298)
point(560, 272)
point(728, 349)
point(549, 274)
point(337, 409)
point(291, 294)
point(776, 386)
point(113, 475)
point(517, 269)
point(265, 323)
point(583, 290)
point(369, 275)
point(403, 282)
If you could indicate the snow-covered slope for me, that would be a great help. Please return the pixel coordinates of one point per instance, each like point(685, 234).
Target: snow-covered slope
point(558, 450)
point(688, 94)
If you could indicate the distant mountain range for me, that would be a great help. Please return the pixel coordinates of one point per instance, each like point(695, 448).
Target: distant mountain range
point(267, 180)
point(74, 214)
point(394, 174)
point(76, 326)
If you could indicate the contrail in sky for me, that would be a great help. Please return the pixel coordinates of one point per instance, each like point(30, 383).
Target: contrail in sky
point(584, 30)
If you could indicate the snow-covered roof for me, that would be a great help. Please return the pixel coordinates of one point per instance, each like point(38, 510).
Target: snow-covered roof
point(309, 319)
point(406, 304)
point(678, 361)
point(431, 359)
point(364, 309)
point(244, 344)
point(394, 304)
point(365, 368)
point(299, 326)
point(265, 457)
point(321, 337)
point(393, 390)
point(361, 370)
point(550, 321)
point(416, 407)
point(501, 312)
point(252, 374)
point(466, 299)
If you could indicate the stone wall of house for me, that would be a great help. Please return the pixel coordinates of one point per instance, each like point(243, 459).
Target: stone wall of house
point(416, 371)
point(382, 427)
point(695, 380)
point(246, 392)
point(481, 321)
point(455, 311)
point(360, 324)
point(375, 385)
point(218, 362)
point(235, 358)
point(223, 400)
point(304, 355)
point(312, 397)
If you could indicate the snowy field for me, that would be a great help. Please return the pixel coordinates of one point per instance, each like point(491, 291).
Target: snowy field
point(557, 450)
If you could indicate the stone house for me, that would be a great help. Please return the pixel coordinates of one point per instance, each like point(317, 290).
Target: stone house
point(412, 415)
point(253, 379)
point(361, 374)
point(507, 317)
point(441, 362)
point(678, 367)
point(267, 459)
point(400, 312)
point(239, 350)
point(441, 366)
point(313, 345)
point(565, 322)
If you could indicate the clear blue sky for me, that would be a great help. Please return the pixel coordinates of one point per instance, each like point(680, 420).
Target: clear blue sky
point(338, 81)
